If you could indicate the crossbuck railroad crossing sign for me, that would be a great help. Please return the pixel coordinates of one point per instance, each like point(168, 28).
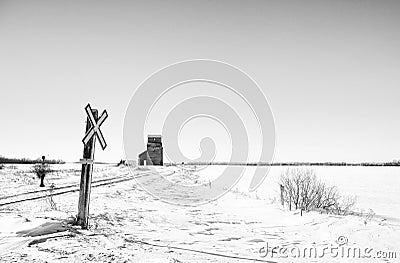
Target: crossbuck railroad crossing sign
point(95, 129)
point(92, 131)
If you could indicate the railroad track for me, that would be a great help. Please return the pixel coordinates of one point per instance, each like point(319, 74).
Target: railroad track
point(39, 194)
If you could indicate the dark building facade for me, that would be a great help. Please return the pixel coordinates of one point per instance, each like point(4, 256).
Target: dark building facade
point(154, 153)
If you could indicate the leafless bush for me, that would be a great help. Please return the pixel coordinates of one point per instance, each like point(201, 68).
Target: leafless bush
point(344, 205)
point(41, 170)
point(1, 166)
point(49, 198)
point(303, 190)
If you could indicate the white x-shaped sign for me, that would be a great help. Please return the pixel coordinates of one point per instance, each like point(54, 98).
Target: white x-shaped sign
point(95, 129)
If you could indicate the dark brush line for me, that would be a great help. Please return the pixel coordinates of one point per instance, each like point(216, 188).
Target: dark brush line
point(287, 164)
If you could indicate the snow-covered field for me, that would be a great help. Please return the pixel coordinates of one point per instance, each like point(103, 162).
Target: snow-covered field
point(375, 188)
point(129, 225)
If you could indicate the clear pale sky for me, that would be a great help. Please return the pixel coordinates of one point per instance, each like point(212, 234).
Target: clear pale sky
point(330, 69)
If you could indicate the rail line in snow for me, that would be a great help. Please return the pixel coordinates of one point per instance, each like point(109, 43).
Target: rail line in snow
point(40, 194)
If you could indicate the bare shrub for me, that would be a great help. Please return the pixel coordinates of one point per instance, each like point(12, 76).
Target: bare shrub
point(1, 166)
point(344, 205)
point(41, 170)
point(303, 190)
point(49, 198)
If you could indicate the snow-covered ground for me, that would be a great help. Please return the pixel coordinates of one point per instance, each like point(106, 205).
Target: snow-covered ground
point(129, 225)
point(375, 188)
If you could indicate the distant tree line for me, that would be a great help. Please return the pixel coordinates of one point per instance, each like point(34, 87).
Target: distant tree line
point(394, 163)
point(5, 160)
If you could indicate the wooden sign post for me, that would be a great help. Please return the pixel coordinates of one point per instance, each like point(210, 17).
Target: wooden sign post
point(93, 124)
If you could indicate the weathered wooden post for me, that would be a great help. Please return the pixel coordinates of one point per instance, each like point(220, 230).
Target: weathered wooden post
point(93, 124)
point(86, 177)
